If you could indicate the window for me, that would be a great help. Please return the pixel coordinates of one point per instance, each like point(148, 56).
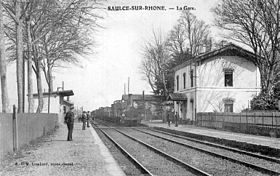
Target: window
point(177, 80)
point(184, 80)
point(228, 77)
point(229, 107)
point(228, 104)
point(191, 75)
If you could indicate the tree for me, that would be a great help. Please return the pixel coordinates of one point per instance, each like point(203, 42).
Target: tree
point(186, 40)
point(153, 65)
point(3, 69)
point(55, 33)
point(257, 25)
point(189, 36)
point(15, 11)
point(19, 54)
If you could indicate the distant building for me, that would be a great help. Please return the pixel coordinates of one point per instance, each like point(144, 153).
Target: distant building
point(58, 103)
point(151, 105)
point(222, 80)
point(117, 108)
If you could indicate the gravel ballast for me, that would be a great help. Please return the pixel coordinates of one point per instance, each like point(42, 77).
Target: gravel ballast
point(242, 157)
point(154, 162)
point(127, 166)
point(206, 162)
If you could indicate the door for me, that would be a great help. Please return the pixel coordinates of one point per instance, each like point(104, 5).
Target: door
point(185, 106)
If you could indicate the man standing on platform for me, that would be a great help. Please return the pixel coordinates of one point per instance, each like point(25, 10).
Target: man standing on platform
point(69, 120)
point(176, 119)
point(84, 117)
point(88, 117)
point(168, 119)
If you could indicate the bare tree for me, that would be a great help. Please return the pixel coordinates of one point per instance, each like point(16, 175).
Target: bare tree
point(14, 11)
point(29, 65)
point(68, 35)
point(3, 69)
point(153, 65)
point(189, 35)
point(55, 33)
point(257, 25)
point(19, 54)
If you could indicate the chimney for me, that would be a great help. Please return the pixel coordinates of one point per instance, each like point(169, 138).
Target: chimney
point(128, 85)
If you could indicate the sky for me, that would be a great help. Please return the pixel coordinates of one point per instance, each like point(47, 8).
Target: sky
point(99, 78)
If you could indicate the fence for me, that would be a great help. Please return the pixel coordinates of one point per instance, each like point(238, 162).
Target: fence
point(17, 130)
point(262, 123)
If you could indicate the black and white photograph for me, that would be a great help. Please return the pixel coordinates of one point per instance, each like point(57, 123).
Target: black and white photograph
point(140, 87)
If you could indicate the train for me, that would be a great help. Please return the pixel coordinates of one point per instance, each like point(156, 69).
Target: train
point(120, 113)
point(132, 109)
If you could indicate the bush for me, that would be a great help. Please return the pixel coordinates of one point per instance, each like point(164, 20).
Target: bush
point(264, 101)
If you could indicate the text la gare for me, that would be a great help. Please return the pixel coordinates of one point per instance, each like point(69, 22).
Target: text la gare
point(184, 8)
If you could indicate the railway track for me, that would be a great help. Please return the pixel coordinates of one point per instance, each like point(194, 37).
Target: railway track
point(134, 168)
point(276, 160)
point(177, 167)
point(173, 138)
point(201, 148)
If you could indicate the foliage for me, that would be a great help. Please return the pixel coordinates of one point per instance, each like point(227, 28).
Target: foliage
point(265, 101)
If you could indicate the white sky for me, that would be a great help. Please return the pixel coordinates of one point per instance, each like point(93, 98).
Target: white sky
point(100, 78)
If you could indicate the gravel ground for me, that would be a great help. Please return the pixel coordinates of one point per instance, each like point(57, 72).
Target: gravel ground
point(208, 163)
point(56, 156)
point(153, 161)
point(127, 166)
point(260, 162)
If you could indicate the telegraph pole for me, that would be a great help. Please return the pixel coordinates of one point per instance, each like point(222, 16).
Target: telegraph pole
point(128, 85)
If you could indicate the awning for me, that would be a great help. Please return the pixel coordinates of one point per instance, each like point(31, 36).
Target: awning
point(66, 93)
point(68, 103)
point(166, 103)
point(177, 97)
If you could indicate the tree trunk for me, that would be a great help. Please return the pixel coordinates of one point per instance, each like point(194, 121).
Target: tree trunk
point(29, 69)
point(49, 71)
point(39, 87)
point(3, 69)
point(19, 56)
point(50, 78)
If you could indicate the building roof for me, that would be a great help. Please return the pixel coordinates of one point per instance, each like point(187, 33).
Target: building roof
point(177, 97)
point(66, 93)
point(57, 93)
point(138, 97)
point(68, 103)
point(228, 50)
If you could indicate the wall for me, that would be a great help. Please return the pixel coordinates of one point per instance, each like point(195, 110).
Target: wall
point(211, 89)
point(54, 104)
point(29, 127)
point(180, 73)
point(6, 134)
point(211, 74)
point(262, 123)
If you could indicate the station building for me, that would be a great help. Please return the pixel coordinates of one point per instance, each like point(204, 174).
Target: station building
point(222, 80)
point(59, 103)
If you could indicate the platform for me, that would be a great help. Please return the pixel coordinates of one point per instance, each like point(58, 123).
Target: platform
point(85, 155)
point(261, 142)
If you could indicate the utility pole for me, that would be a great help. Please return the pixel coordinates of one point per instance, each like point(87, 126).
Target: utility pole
point(144, 106)
point(23, 85)
point(124, 89)
point(128, 85)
